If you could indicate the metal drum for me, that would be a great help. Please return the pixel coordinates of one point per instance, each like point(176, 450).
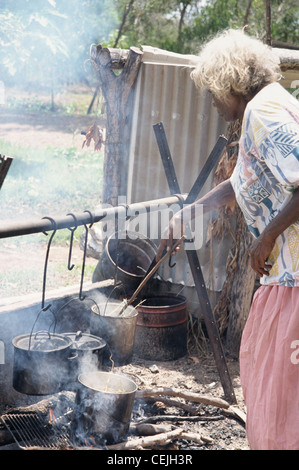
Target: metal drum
point(161, 330)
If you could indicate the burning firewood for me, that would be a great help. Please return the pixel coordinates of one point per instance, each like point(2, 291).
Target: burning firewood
point(148, 441)
point(162, 439)
point(196, 397)
point(164, 402)
point(148, 429)
point(51, 407)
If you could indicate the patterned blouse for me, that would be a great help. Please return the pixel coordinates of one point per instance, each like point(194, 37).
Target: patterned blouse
point(267, 172)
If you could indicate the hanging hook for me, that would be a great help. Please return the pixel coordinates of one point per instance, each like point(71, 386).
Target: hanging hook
point(72, 229)
point(46, 261)
point(91, 218)
point(171, 265)
point(82, 297)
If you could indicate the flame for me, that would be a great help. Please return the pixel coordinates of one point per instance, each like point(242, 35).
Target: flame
point(51, 416)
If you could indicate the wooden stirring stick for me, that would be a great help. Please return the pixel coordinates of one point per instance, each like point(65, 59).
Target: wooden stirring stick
point(150, 274)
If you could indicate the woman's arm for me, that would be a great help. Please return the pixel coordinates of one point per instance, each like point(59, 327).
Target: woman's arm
point(264, 244)
point(219, 196)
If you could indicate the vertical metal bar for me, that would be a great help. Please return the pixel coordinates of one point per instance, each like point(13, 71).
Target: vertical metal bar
point(5, 163)
point(166, 159)
point(193, 260)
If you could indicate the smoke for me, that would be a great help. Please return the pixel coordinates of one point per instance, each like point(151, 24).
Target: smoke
point(47, 42)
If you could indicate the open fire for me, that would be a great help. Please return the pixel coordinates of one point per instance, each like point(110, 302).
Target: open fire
point(89, 412)
point(93, 408)
point(49, 423)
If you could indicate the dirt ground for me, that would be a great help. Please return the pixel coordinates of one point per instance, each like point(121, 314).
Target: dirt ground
point(44, 130)
point(196, 371)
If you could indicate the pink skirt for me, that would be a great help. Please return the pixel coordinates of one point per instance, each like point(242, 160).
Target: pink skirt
point(269, 369)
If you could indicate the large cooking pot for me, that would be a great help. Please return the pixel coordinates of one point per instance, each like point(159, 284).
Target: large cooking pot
point(87, 351)
point(103, 407)
point(118, 331)
point(41, 362)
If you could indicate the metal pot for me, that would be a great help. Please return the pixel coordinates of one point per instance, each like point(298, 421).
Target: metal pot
point(117, 331)
point(41, 363)
point(104, 403)
point(87, 352)
point(126, 259)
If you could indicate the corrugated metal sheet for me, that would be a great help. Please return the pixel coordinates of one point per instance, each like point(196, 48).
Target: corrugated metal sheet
point(165, 93)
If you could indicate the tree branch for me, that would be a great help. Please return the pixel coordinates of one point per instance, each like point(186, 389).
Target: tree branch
point(126, 12)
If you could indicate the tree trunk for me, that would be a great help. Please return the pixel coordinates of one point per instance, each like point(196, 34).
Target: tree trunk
point(237, 291)
point(233, 305)
point(116, 90)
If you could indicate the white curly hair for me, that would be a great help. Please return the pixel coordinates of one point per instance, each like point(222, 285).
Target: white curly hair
point(235, 63)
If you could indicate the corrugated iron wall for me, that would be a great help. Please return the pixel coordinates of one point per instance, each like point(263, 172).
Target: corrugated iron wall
point(165, 93)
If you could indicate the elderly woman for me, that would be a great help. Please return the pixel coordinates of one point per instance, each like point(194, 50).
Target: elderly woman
point(242, 75)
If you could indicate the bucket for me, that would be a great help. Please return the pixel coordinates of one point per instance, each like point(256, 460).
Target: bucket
point(103, 407)
point(117, 331)
point(161, 330)
point(126, 259)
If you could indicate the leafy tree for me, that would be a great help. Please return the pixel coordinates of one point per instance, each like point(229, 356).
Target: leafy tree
point(47, 41)
point(44, 38)
point(181, 26)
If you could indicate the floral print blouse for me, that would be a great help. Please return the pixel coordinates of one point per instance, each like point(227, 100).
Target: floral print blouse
point(267, 173)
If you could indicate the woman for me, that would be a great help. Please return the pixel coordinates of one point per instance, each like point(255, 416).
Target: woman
point(242, 75)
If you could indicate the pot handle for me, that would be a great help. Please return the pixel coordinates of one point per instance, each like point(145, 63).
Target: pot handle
point(42, 332)
point(74, 355)
point(42, 310)
point(78, 335)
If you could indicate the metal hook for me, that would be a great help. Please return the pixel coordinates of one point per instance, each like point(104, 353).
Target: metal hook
point(169, 262)
point(82, 297)
point(46, 260)
point(69, 266)
point(91, 218)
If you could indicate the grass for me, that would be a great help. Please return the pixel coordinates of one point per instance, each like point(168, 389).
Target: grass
point(54, 181)
point(49, 183)
point(23, 279)
point(69, 101)
point(46, 182)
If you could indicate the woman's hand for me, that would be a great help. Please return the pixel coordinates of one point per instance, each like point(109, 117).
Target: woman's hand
point(264, 244)
point(173, 232)
point(219, 196)
point(259, 252)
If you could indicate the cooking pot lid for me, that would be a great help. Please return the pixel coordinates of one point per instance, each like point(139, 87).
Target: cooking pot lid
point(41, 341)
point(84, 341)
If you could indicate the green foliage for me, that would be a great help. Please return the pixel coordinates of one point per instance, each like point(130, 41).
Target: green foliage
point(47, 41)
point(181, 26)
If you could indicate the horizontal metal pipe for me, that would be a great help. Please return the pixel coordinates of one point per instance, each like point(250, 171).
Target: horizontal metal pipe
point(16, 228)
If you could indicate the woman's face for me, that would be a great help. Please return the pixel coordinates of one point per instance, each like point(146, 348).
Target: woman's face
point(232, 108)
